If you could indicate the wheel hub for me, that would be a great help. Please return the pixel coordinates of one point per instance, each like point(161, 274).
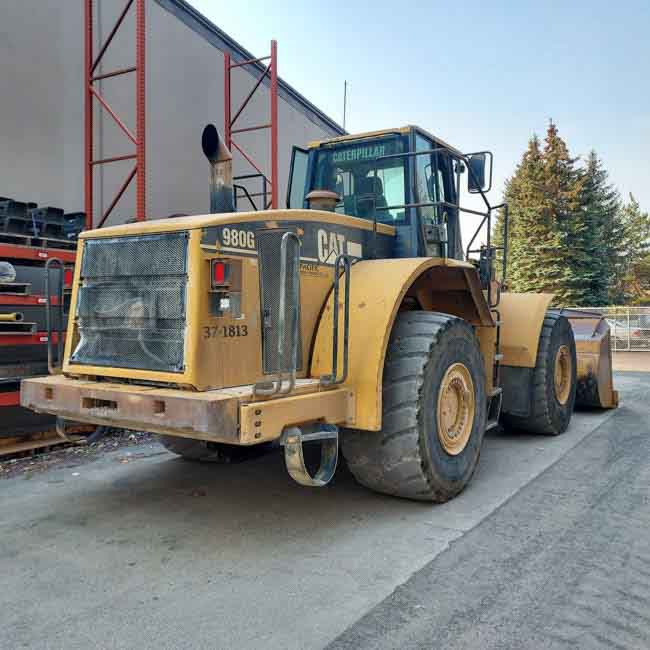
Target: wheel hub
point(562, 374)
point(456, 409)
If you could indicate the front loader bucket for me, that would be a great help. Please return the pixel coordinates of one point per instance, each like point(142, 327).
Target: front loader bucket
point(593, 347)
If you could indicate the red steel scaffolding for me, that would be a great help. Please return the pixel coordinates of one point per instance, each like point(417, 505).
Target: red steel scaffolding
point(271, 71)
point(91, 93)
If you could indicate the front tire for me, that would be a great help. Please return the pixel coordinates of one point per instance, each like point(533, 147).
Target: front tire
point(434, 412)
point(553, 382)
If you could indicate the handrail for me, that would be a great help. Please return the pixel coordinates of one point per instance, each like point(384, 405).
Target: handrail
point(236, 187)
point(53, 368)
point(274, 387)
point(342, 261)
point(249, 195)
point(293, 305)
point(487, 215)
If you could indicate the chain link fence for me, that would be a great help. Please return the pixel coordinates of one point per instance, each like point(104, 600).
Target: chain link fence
point(630, 327)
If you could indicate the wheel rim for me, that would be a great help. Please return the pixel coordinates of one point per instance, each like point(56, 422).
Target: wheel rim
point(456, 409)
point(562, 374)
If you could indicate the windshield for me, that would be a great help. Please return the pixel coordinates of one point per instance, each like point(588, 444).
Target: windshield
point(363, 181)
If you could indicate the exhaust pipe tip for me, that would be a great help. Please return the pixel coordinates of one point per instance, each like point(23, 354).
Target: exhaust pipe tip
point(213, 146)
point(221, 182)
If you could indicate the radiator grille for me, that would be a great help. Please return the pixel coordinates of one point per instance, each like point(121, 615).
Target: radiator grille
point(268, 245)
point(131, 302)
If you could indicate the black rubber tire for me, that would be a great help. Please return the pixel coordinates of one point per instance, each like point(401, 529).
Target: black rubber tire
point(547, 415)
point(201, 450)
point(406, 458)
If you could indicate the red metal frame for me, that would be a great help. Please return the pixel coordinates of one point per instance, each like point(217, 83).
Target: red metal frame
point(21, 252)
point(20, 300)
point(11, 398)
point(27, 339)
point(271, 71)
point(91, 93)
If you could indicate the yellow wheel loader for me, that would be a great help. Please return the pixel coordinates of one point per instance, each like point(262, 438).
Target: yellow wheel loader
point(352, 317)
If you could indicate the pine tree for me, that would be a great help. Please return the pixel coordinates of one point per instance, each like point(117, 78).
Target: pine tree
point(569, 234)
point(565, 255)
point(604, 233)
point(629, 283)
point(640, 281)
point(525, 198)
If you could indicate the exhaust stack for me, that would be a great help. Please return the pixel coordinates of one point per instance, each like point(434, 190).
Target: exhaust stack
point(220, 159)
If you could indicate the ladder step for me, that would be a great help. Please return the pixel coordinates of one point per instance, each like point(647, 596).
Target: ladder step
point(491, 424)
point(496, 391)
point(321, 435)
point(498, 357)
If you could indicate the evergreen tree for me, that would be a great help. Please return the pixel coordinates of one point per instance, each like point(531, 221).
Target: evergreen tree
point(604, 233)
point(565, 255)
point(640, 281)
point(629, 283)
point(525, 197)
point(569, 233)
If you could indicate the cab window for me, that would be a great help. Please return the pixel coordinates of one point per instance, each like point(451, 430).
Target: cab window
point(368, 184)
point(430, 178)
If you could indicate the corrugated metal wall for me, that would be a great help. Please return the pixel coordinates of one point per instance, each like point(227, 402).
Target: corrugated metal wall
point(41, 121)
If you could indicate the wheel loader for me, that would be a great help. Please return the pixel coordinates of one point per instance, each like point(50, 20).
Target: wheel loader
point(354, 318)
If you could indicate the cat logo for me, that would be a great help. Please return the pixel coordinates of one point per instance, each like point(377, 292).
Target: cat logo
point(330, 246)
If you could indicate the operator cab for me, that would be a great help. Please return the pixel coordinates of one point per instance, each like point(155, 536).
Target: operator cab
point(403, 177)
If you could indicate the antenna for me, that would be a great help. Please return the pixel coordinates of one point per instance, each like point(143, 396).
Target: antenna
point(345, 100)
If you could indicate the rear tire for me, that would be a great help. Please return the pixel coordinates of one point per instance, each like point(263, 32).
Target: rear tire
point(554, 381)
point(433, 360)
point(214, 452)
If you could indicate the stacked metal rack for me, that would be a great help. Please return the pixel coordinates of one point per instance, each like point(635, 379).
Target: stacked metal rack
point(27, 242)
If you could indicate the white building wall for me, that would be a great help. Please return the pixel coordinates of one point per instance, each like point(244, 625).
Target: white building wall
point(41, 109)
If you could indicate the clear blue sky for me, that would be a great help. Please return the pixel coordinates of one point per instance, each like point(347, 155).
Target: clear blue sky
point(478, 74)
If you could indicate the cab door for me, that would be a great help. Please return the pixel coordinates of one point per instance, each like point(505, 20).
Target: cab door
point(297, 178)
point(436, 194)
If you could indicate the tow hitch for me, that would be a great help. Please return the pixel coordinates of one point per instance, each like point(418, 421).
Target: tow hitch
point(294, 458)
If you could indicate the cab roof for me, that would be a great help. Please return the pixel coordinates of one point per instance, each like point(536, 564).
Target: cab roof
point(402, 130)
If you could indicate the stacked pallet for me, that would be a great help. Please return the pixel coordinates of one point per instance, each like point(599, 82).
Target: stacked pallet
point(29, 237)
point(47, 227)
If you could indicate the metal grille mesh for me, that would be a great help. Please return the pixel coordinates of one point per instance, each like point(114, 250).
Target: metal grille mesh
point(131, 302)
point(268, 246)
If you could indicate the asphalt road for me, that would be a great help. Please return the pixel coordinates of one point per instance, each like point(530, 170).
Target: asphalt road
point(563, 564)
point(548, 544)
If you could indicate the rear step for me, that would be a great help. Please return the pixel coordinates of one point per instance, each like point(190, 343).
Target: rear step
point(294, 458)
point(494, 408)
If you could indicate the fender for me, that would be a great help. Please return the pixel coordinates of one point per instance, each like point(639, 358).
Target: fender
point(377, 290)
point(522, 317)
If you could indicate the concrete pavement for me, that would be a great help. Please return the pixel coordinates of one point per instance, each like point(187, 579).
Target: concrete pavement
point(148, 550)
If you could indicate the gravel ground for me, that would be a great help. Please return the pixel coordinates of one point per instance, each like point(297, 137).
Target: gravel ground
point(70, 455)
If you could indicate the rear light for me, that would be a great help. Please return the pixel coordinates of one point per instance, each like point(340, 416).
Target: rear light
point(225, 288)
point(220, 273)
point(68, 275)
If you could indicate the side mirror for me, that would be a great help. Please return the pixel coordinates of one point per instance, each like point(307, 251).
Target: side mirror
point(479, 178)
